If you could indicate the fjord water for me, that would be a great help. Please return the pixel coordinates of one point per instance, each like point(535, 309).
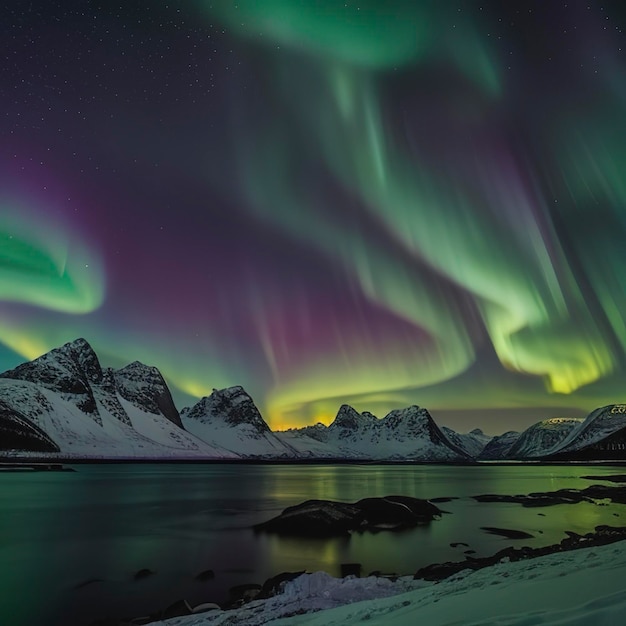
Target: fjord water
point(71, 542)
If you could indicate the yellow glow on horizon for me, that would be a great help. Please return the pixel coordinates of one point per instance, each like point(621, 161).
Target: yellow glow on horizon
point(280, 421)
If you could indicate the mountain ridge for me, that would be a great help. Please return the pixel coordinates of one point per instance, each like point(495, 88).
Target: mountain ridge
point(65, 403)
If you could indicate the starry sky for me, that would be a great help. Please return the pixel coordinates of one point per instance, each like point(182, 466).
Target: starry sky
point(379, 203)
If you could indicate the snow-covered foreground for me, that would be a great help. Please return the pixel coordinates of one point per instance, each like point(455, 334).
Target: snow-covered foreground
point(581, 587)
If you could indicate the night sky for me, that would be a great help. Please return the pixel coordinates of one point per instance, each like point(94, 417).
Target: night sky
point(374, 202)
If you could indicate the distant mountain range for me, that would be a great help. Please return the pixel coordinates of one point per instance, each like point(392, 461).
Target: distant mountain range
point(65, 405)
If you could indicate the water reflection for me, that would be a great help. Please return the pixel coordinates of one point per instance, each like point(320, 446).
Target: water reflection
point(102, 524)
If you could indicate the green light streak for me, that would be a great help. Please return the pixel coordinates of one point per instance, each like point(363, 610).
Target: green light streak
point(39, 265)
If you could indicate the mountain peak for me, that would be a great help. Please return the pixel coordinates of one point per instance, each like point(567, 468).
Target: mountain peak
point(347, 417)
point(542, 437)
point(69, 369)
point(601, 429)
point(138, 366)
point(232, 405)
point(80, 343)
point(81, 354)
point(409, 415)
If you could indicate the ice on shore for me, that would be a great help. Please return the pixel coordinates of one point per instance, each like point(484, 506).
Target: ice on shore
point(578, 588)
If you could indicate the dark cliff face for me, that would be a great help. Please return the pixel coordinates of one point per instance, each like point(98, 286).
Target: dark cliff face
point(17, 432)
point(145, 387)
point(232, 406)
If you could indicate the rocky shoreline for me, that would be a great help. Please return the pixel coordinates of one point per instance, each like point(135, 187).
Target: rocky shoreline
point(602, 535)
point(321, 518)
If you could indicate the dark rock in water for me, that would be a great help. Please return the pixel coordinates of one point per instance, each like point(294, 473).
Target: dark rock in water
point(384, 513)
point(324, 518)
point(392, 577)
point(143, 573)
point(423, 510)
point(240, 594)
point(89, 581)
point(315, 518)
point(507, 532)
point(443, 499)
point(206, 606)
point(207, 574)
point(178, 609)
point(395, 511)
point(351, 569)
point(455, 544)
point(469, 551)
point(572, 535)
point(441, 571)
point(616, 494)
point(532, 500)
point(614, 478)
point(273, 585)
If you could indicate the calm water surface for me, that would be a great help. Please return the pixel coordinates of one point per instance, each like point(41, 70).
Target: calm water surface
point(103, 523)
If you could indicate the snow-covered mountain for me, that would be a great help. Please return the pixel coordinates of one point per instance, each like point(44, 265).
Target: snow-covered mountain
point(473, 442)
point(498, 447)
point(542, 438)
point(408, 433)
point(65, 402)
point(230, 420)
point(603, 430)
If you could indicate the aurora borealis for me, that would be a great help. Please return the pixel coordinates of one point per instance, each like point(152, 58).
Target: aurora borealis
point(379, 203)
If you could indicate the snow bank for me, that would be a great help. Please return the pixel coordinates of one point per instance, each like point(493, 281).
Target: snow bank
point(579, 587)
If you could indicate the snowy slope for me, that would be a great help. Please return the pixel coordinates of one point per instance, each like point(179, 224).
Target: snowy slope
point(229, 419)
point(89, 412)
point(408, 433)
point(77, 435)
point(598, 425)
point(473, 442)
point(577, 588)
point(498, 447)
point(543, 437)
